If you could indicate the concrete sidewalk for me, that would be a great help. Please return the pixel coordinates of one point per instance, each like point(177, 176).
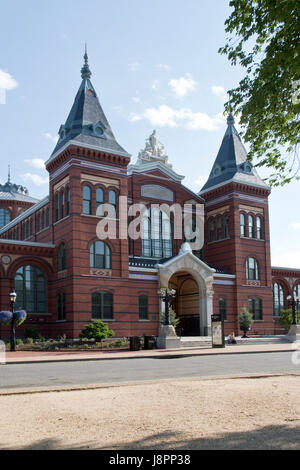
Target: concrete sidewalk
point(23, 357)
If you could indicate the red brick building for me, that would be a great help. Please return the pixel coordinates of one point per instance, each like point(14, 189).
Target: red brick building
point(65, 276)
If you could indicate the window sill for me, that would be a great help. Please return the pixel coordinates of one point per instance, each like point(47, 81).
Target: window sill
point(252, 238)
point(61, 321)
point(144, 321)
point(103, 319)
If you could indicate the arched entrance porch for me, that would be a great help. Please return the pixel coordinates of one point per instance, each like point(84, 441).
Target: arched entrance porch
point(193, 281)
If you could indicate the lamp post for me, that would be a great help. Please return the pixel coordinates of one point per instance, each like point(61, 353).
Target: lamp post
point(13, 297)
point(293, 303)
point(167, 296)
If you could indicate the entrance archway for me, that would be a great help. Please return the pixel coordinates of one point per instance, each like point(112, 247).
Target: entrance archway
point(186, 264)
point(187, 303)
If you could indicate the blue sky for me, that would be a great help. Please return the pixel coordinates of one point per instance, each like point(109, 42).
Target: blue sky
point(155, 65)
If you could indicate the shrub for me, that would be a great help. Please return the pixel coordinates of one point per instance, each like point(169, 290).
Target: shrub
point(286, 318)
point(174, 321)
point(29, 341)
point(245, 320)
point(19, 342)
point(96, 330)
point(32, 332)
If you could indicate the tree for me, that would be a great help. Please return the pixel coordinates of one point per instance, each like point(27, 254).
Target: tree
point(264, 38)
point(96, 330)
point(245, 320)
point(286, 318)
point(174, 321)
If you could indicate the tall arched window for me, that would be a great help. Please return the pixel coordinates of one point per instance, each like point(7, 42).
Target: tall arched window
point(226, 226)
point(47, 217)
point(251, 226)
point(31, 289)
point(278, 298)
point(102, 306)
point(67, 201)
point(112, 198)
point(255, 308)
point(4, 217)
point(56, 207)
point(211, 231)
point(219, 228)
point(242, 225)
point(157, 238)
point(87, 200)
point(143, 307)
point(62, 205)
point(259, 233)
point(252, 270)
point(100, 256)
point(43, 220)
point(62, 257)
point(38, 223)
point(99, 201)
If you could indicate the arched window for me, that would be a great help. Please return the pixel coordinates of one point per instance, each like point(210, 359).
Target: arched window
point(223, 308)
point(102, 306)
point(278, 298)
point(259, 233)
point(252, 270)
point(211, 231)
point(87, 200)
point(219, 228)
point(226, 226)
point(62, 205)
point(157, 238)
point(43, 220)
point(47, 217)
point(67, 201)
point(100, 256)
point(61, 306)
point(38, 223)
point(251, 226)
point(31, 289)
point(62, 257)
point(56, 208)
point(4, 217)
point(296, 292)
point(143, 307)
point(99, 200)
point(242, 225)
point(255, 308)
point(112, 198)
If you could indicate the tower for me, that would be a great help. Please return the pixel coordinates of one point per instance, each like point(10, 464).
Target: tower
point(237, 237)
point(87, 168)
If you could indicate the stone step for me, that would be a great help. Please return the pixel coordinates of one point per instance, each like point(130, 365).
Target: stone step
point(201, 342)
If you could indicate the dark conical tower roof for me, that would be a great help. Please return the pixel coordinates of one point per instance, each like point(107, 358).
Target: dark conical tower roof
point(231, 163)
point(86, 124)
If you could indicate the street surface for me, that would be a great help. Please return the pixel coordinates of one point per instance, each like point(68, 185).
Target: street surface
point(142, 369)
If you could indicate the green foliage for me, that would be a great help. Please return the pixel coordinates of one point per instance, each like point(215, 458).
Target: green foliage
point(29, 340)
point(173, 319)
point(96, 330)
point(19, 342)
point(264, 39)
point(286, 318)
point(245, 319)
point(32, 332)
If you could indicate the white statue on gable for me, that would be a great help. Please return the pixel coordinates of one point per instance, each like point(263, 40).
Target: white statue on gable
point(154, 151)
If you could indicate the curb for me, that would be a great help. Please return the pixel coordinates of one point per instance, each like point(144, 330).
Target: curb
point(169, 355)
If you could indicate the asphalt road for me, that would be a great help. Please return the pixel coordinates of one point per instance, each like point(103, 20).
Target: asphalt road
point(126, 370)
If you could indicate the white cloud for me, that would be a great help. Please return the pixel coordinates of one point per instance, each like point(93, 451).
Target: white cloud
point(181, 86)
point(295, 225)
point(7, 82)
point(51, 137)
point(287, 259)
point(36, 179)
point(136, 99)
point(201, 180)
point(155, 84)
point(218, 91)
point(167, 116)
point(36, 163)
point(163, 66)
point(134, 66)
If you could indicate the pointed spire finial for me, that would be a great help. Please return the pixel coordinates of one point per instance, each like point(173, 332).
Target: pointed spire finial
point(8, 180)
point(85, 71)
point(230, 118)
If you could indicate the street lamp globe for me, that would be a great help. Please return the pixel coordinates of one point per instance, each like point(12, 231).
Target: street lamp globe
point(13, 296)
